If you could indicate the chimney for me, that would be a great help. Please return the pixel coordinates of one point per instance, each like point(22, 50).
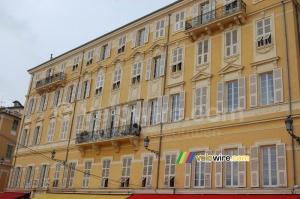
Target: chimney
point(51, 57)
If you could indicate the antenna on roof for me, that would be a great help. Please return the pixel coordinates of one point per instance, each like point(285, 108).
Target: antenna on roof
point(2, 102)
point(51, 57)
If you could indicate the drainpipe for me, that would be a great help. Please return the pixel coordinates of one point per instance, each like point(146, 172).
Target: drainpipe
point(164, 88)
point(297, 20)
point(289, 87)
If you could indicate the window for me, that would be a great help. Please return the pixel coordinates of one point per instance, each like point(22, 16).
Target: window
point(147, 171)
point(266, 89)
point(90, 56)
point(175, 108)
point(122, 44)
point(202, 52)
point(30, 106)
point(105, 173)
point(231, 169)
point(85, 89)
point(263, 32)
point(71, 93)
point(125, 172)
point(156, 69)
point(56, 175)
point(232, 96)
point(15, 125)
point(29, 172)
point(117, 79)
point(141, 37)
point(9, 151)
point(205, 12)
point(36, 78)
point(79, 122)
point(49, 72)
point(75, 63)
point(56, 98)
point(24, 138)
point(64, 129)
point(63, 67)
point(51, 130)
point(132, 114)
point(177, 60)
point(269, 166)
point(99, 84)
point(231, 43)
point(153, 112)
point(16, 177)
point(43, 176)
point(199, 173)
point(160, 29)
point(179, 21)
point(86, 174)
point(136, 73)
point(43, 103)
point(104, 52)
point(170, 170)
point(201, 98)
point(72, 174)
point(36, 136)
point(231, 6)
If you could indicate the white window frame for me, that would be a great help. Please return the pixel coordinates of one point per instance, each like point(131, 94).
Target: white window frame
point(136, 72)
point(147, 171)
point(57, 168)
point(117, 79)
point(79, 124)
point(121, 45)
point(177, 59)
point(203, 101)
point(232, 165)
point(72, 167)
point(159, 29)
point(51, 131)
point(86, 173)
point(99, 84)
point(175, 114)
point(24, 137)
point(28, 177)
point(153, 112)
point(169, 166)
point(233, 97)
point(265, 34)
point(202, 52)
point(64, 129)
point(105, 172)
point(125, 179)
point(269, 92)
point(140, 37)
point(90, 57)
point(269, 167)
point(63, 67)
point(229, 45)
point(179, 21)
point(75, 65)
point(201, 167)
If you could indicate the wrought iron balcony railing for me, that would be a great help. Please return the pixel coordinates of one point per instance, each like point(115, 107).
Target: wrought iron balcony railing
point(106, 134)
point(51, 79)
point(228, 9)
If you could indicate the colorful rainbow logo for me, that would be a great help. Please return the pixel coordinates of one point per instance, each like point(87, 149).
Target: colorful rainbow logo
point(186, 157)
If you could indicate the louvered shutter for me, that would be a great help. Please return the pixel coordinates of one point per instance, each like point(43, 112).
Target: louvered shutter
point(108, 49)
point(187, 177)
point(117, 117)
point(242, 93)
point(46, 175)
point(19, 177)
point(38, 177)
point(65, 95)
point(146, 38)
point(227, 44)
point(60, 96)
point(159, 108)
point(144, 113)
point(79, 91)
point(26, 107)
point(149, 177)
point(148, 70)
point(133, 41)
point(181, 105)
point(33, 106)
point(207, 176)
point(73, 92)
point(278, 88)
point(52, 99)
point(254, 166)
point(88, 88)
point(167, 170)
point(32, 135)
point(105, 119)
point(182, 24)
point(65, 176)
point(99, 53)
point(220, 97)
point(204, 99)
point(218, 173)
point(234, 42)
point(162, 63)
point(281, 165)
point(88, 121)
point(98, 119)
point(26, 137)
point(31, 176)
point(198, 102)
point(39, 135)
point(195, 10)
point(165, 108)
point(146, 160)
point(253, 90)
point(173, 164)
point(38, 104)
point(124, 115)
point(138, 112)
point(242, 168)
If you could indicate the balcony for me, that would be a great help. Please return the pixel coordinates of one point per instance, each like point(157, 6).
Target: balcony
point(111, 136)
point(51, 83)
point(234, 12)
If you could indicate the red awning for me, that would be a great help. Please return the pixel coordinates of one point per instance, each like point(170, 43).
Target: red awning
point(14, 195)
point(210, 196)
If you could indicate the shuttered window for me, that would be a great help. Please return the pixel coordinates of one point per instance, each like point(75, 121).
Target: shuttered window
point(232, 96)
point(266, 89)
point(16, 177)
point(126, 165)
point(201, 98)
point(136, 73)
point(79, 124)
point(159, 29)
point(179, 21)
point(103, 51)
point(36, 136)
point(122, 44)
point(63, 67)
point(231, 169)
point(199, 177)
point(263, 32)
point(72, 167)
point(105, 173)
point(29, 172)
point(90, 57)
point(85, 90)
point(117, 79)
point(269, 166)
point(177, 58)
point(56, 175)
point(56, 98)
point(86, 174)
point(231, 43)
point(147, 171)
point(43, 176)
point(75, 63)
point(99, 84)
point(64, 129)
point(9, 151)
point(175, 105)
point(51, 130)
point(170, 166)
point(153, 112)
point(24, 138)
point(202, 52)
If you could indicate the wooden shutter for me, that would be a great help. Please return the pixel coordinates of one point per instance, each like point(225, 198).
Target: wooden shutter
point(38, 104)
point(98, 119)
point(31, 176)
point(88, 121)
point(33, 106)
point(278, 89)
point(220, 94)
point(281, 165)
point(254, 166)
point(242, 168)
point(26, 107)
point(148, 70)
point(32, 135)
point(99, 53)
point(116, 118)
point(197, 103)
point(65, 176)
point(218, 173)
point(165, 108)
point(79, 90)
point(46, 175)
point(187, 177)
point(39, 135)
point(173, 165)
point(195, 10)
point(207, 175)
point(242, 93)
point(65, 95)
point(146, 38)
point(26, 137)
point(105, 119)
point(182, 105)
point(144, 113)
point(159, 107)
point(253, 90)
point(19, 177)
point(39, 176)
point(52, 99)
point(88, 88)
point(138, 112)
point(124, 115)
point(60, 96)
point(162, 63)
point(133, 41)
point(108, 49)
point(73, 92)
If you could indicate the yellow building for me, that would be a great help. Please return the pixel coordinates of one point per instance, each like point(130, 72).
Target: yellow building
point(215, 77)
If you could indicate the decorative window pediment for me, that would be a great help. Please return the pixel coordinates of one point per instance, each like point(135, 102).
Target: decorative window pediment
point(156, 49)
point(231, 68)
point(137, 56)
point(201, 76)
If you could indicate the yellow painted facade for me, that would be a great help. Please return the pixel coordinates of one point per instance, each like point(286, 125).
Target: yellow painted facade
point(203, 76)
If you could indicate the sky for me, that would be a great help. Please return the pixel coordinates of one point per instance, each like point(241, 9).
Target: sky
point(31, 30)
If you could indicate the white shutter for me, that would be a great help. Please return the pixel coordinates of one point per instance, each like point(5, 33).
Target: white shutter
point(38, 104)
point(26, 107)
point(33, 106)
point(39, 176)
point(65, 95)
point(88, 89)
point(148, 70)
point(31, 176)
point(242, 93)
point(19, 177)
point(218, 172)
point(281, 165)
point(39, 135)
point(73, 92)
point(117, 117)
point(60, 96)
point(254, 166)
point(88, 121)
point(46, 175)
point(242, 168)
point(207, 175)
point(146, 38)
point(138, 112)
point(105, 119)
point(124, 115)
point(195, 10)
point(79, 90)
point(144, 113)
point(98, 119)
point(187, 177)
point(165, 108)
point(278, 89)
point(158, 112)
point(32, 135)
point(99, 53)
point(162, 63)
point(220, 97)
point(133, 41)
point(52, 99)
point(253, 90)
point(108, 49)
point(26, 137)
point(182, 105)
point(65, 175)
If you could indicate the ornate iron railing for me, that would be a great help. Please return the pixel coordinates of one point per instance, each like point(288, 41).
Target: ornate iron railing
point(51, 79)
point(228, 9)
point(109, 133)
